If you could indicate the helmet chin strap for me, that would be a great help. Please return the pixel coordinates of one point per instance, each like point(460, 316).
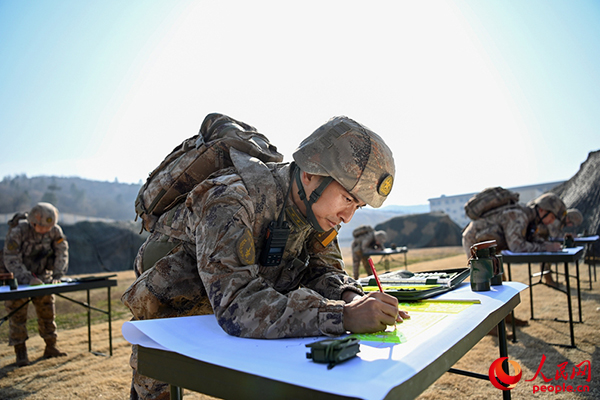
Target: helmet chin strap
point(541, 219)
point(314, 196)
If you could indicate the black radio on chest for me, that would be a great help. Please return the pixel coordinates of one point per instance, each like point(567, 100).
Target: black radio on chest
point(274, 246)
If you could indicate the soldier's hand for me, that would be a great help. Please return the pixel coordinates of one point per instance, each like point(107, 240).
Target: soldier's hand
point(35, 281)
point(372, 313)
point(553, 246)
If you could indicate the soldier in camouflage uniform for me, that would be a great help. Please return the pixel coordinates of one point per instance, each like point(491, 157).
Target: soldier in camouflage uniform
point(36, 252)
point(365, 239)
point(514, 226)
point(556, 230)
point(214, 242)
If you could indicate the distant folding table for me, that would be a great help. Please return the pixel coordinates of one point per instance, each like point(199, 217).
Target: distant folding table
point(386, 253)
point(88, 283)
point(566, 256)
point(590, 255)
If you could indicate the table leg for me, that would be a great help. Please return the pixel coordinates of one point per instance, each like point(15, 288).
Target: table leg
point(503, 352)
point(578, 290)
point(109, 324)
point(176, 392)
point(569, 304)
point(89, 321)
point(530, 290)
point(512, 313)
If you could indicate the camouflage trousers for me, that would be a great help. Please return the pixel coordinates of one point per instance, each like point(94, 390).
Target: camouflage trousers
point(44, 308)
point(170, 288)
point(357, 259)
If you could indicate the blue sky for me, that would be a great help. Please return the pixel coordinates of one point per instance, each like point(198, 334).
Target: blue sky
point(468, 94)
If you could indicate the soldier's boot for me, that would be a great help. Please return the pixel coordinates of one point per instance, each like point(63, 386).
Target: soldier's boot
point(21, 352)
point(51, 350)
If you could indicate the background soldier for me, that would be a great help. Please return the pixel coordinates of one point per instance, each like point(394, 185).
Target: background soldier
point(36, 252)
point(216, 264)
point(514, 226)
point(557, 229)
point(365, 239)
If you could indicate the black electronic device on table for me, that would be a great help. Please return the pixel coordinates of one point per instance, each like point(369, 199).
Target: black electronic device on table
point(409, 286)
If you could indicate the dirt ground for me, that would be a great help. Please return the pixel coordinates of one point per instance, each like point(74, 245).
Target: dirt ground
point(83, 375)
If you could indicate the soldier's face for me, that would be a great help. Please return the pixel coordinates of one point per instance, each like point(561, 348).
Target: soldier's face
point(549, 217)
point(41, 229)
point(334, 206)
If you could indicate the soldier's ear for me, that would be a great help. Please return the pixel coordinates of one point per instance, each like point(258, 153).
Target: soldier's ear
point(307, 178)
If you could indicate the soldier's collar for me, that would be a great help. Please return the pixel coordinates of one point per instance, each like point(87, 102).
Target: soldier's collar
point(295, 216)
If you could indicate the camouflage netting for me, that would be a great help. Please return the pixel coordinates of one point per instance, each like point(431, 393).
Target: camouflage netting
point(434, 229)
point(582, 191)
point(98, 246)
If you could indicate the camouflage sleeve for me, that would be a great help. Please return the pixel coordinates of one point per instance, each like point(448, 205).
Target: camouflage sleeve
point(244, 303)
point(326, 273)
point(367, 241)
point(61, 252)
point(555, 229)
point(13, 257)
point(515, 224)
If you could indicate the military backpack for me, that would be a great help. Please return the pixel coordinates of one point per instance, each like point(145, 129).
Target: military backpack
point(195, 159)
point(362, 230)
point(489, 199)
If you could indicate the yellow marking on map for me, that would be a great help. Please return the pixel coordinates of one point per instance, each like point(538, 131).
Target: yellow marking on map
point(402, 332)
point(441, 306)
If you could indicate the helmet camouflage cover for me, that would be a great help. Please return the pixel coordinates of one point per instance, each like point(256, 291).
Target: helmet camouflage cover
point(574, 216)
point(356, 157)
point(43, 214)
point(553, 203)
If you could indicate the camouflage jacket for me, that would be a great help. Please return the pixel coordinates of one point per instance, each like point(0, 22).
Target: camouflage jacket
point(223, 224)
point(508, 226)
point(364, 243)
point(28, 253)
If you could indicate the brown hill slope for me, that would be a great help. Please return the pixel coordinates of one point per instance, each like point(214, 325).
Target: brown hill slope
point(582, 191)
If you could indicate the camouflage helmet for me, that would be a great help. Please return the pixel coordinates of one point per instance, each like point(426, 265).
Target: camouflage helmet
point(574, 216)
point(553, 203)
point(353, 155)
point(43, 214)
point(380, 236)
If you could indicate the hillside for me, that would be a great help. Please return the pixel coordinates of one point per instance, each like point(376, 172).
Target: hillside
point(582, 191)
point(434, 229)
point(111, 200)
point(374, 216)
point(99, 246)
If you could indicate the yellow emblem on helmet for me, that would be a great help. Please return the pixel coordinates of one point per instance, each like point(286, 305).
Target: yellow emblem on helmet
point(245, 248)
point(385, 186)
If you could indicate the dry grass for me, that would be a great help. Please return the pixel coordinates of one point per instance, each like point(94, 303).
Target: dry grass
point(83, 375)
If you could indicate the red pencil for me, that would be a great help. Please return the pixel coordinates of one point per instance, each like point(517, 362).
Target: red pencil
point(375, 274)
